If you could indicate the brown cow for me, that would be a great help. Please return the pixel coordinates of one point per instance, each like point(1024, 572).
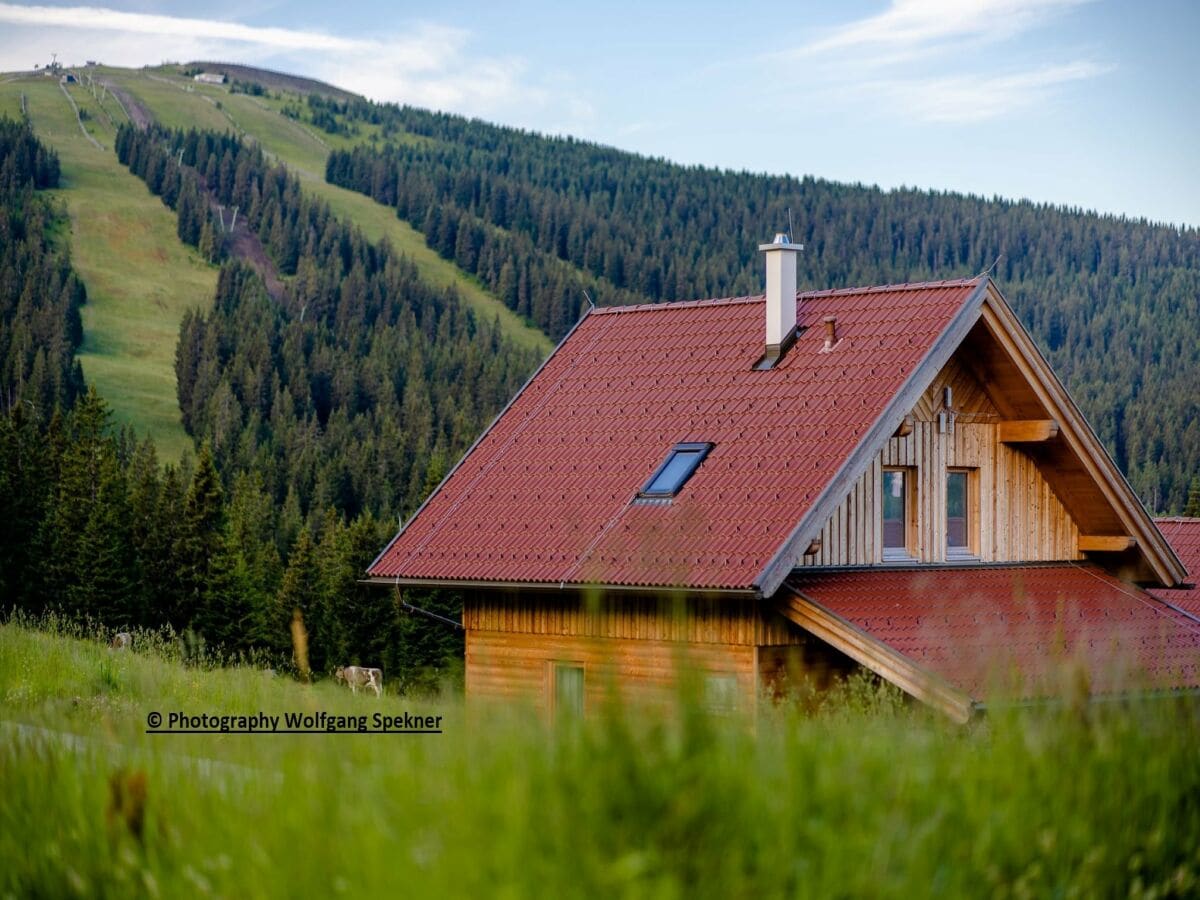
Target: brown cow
point(356, 675)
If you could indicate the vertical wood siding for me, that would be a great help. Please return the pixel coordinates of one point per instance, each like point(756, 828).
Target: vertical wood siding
point(1017, 517)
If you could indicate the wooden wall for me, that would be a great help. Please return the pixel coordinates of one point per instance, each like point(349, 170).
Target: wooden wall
point(628, 616)
point(800, 671)
point(638, 645)
point(519, 667)
point(1019, 518)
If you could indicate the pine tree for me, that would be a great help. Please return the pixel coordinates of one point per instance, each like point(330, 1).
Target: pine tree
point(86, 448)
point(200, 543)
point(105, 583)
point(26, 496)
point(299, 591)
point(336, 574)
point(1193, 501)
point(253, 565)
point(208, 245)
point(367, 615)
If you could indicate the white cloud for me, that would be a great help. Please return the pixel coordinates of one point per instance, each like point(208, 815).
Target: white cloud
point(94, 18)
point(912, 24)
point(430, 65)
point(976, 98)
point(920, 59)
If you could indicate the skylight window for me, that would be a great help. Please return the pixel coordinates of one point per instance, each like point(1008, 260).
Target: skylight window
point(675, 470)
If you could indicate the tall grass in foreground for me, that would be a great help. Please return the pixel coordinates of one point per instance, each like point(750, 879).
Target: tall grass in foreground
point(868, 798)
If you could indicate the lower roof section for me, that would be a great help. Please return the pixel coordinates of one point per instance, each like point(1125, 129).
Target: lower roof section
point(960, 637)
point(1184, 536)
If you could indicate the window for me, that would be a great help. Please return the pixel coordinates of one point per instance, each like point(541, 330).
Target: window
point(676, 469)
point(568, 690)
point(721, 693)
point(896, 513)
point(959, 527)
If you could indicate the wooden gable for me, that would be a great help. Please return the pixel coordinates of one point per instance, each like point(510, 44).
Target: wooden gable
point(1043, 487)
point(1016, 516)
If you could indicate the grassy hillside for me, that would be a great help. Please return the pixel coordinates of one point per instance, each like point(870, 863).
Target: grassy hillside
point(178, 102)
point(863, 800)
point(140, 278)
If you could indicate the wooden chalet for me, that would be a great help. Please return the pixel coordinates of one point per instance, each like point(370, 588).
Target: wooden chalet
point(772, 488)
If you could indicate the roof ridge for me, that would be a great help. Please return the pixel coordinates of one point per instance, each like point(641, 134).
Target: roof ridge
point(677, 304)
point(758, 298)
point(891, 288)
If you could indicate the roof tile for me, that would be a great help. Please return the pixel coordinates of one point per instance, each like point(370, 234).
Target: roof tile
point(989, 629)
point(570, 454)
point(1183, 534)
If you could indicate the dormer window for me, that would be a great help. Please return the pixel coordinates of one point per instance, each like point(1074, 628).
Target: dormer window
point(680, 464)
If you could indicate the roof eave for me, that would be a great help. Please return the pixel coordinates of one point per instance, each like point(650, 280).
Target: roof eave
point(557, 587)
point(441, 484)
point(1151, 542)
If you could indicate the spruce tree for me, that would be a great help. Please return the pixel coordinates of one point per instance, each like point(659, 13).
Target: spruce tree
point(367, 615)
point(104, 584)
point(299, 591)
point(200, 543)
point(26, 496)
point(252, 564)
point(86, 448)
point(1193, 501)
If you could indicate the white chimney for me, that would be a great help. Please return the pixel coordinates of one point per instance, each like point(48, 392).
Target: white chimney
point(781, 295)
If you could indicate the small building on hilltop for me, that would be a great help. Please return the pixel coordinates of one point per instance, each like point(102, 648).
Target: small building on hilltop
point(778, 488)
point(209, 78)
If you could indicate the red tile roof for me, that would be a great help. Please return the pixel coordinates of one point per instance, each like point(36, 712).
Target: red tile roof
point(548, 494)
point(1006, 629)
point(1184, 538)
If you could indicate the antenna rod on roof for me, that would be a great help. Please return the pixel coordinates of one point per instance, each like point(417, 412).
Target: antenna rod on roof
point(791, 234)
point(588, 299)
point(995, 262)
point(408, 607)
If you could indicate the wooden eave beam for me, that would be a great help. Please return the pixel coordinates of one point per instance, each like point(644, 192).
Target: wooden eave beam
point(1027, 431)
point(1106, 543)
point(877, 656)
point(1004, 326)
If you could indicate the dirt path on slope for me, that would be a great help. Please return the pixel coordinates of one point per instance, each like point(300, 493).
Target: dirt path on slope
point(243, 244)
point(130, 105)
point(240, 242)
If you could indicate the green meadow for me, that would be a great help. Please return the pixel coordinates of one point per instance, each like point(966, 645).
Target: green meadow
point(865, 797)
point(140, 278)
